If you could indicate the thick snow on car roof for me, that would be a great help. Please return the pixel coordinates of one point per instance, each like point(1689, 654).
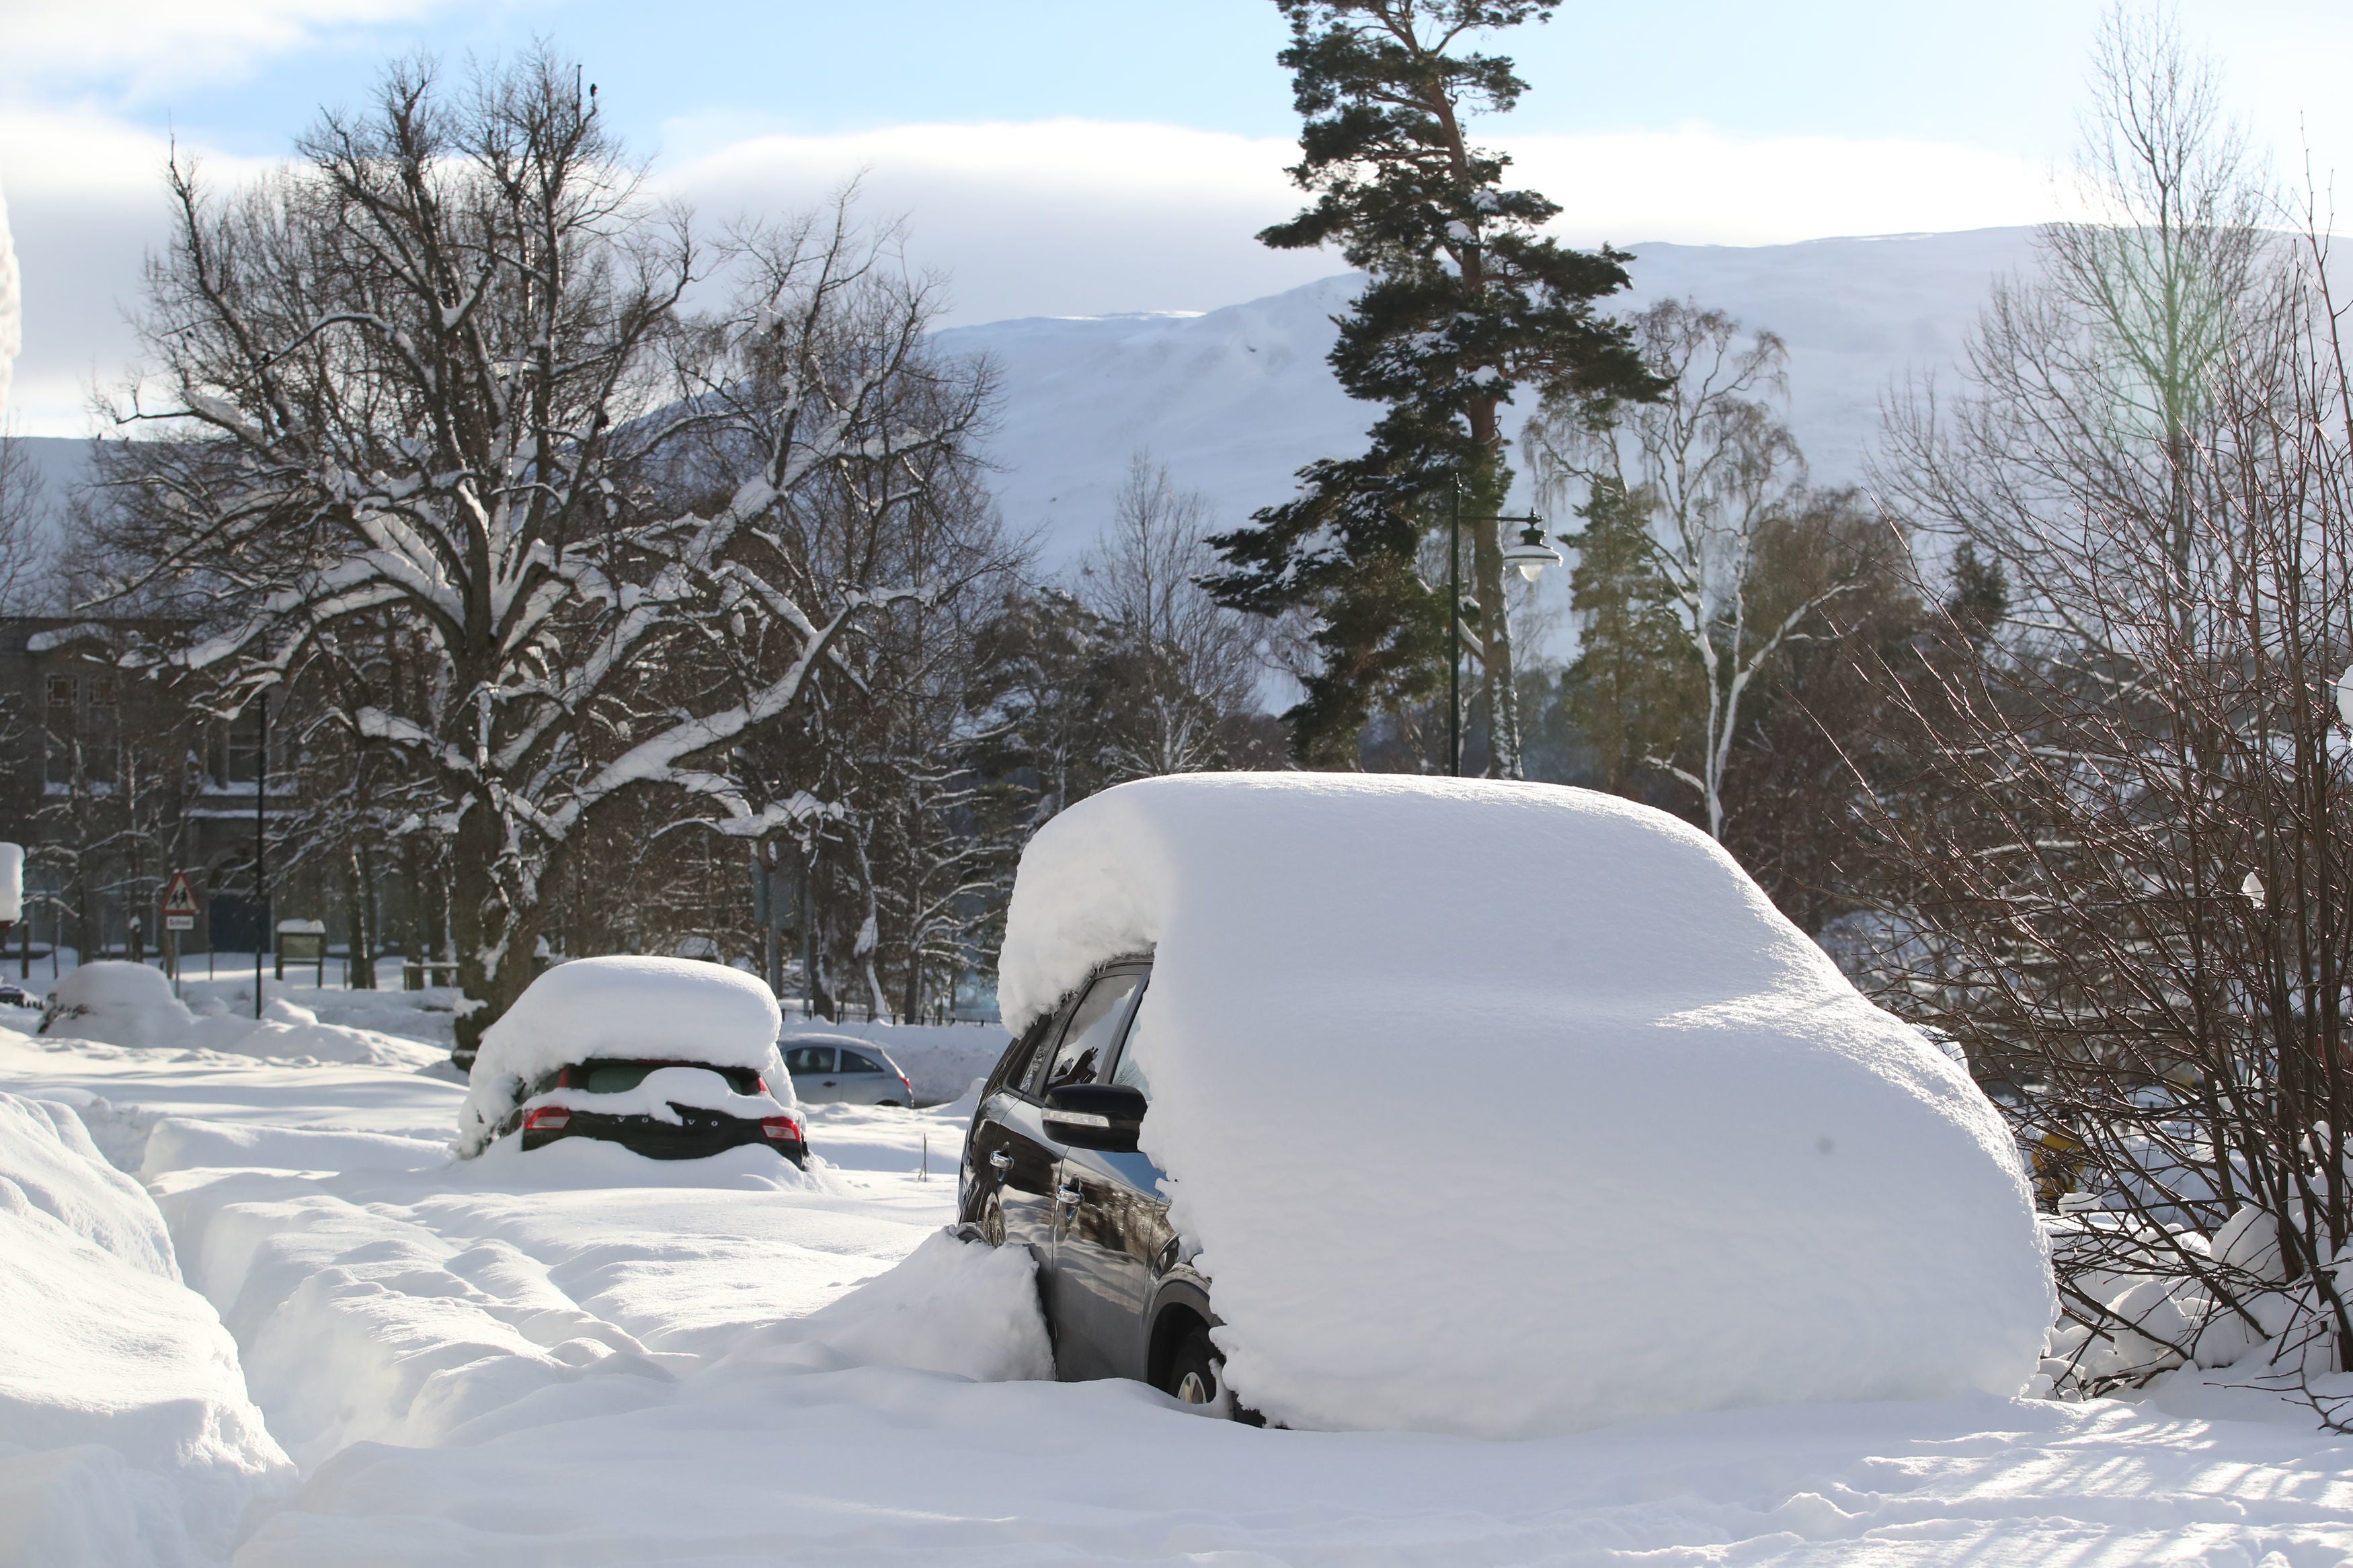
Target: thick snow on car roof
point(120, 1003)
point(1509, 1108)
point(663, 1009)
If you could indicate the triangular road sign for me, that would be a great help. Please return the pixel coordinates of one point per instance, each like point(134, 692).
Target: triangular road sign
point(179, 898)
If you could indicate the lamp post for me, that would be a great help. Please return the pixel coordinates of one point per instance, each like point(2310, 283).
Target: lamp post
point(1531, 556)
point(260, 847)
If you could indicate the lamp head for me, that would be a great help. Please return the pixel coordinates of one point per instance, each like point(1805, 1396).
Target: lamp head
point(1532, 555)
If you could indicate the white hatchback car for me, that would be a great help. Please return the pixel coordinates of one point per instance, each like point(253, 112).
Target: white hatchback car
point(843, 1070)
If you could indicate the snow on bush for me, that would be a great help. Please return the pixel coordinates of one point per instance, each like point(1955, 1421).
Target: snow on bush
point(117, 1004)
point(126, 1437)
point(2136, 1316)
point(635, 1009)
point(1507, 1109)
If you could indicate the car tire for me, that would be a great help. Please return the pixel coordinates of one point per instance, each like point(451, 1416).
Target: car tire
point(1197, 1373)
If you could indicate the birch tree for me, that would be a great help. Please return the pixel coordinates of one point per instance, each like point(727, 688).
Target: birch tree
point(1711, 469)
point(439, 371)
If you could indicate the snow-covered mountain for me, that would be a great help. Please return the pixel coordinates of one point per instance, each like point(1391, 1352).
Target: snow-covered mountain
point(1233, 401)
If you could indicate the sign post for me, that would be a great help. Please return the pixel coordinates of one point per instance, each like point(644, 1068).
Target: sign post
point(179, 915)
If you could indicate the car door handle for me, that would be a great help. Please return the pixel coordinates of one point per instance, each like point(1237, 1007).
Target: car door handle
point(828, 1084)
point(998, 1159)
point(1067, 1192)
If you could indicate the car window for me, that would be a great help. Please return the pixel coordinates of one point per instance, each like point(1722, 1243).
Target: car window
point(1093, 1037)
point(809, 1058)
point(852, 1062)
point(610, 1077)
point(620, 1076)
point(1130, 1073)
point(1013, 1069)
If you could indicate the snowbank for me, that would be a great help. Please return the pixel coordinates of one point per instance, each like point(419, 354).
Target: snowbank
point(126, 1437)
point(131, 1005)
point(117, 1004)
point(628, 1007)
point(964, 1309)
point(1509, 1108)
point(187, 1143)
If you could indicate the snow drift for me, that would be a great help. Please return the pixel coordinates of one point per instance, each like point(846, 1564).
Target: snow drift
point(636, 1009)
point(126, 1435)
point(1507, 1109)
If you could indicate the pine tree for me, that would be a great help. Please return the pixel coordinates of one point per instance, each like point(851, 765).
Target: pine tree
point(1630, 694)
point(1466, 302)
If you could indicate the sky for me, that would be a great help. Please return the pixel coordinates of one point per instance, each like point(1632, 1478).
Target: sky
point(1080, 157)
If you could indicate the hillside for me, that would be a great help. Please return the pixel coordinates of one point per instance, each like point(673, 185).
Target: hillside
point(1234, 400)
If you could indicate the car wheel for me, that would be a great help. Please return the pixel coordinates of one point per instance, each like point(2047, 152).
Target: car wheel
point(1196, 1373)
point(892, 1103)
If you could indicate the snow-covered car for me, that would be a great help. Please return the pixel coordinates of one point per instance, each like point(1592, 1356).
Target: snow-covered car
point(843, 1070)
point(1720, 1177)
point(117, 1003)
point(673, 1058)
point(17, 996)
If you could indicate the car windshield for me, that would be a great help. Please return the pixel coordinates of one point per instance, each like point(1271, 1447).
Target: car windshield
point(620, 1076)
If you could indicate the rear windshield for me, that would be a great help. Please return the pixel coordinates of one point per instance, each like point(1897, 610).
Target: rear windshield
point(608, 1077)
point(852, 1062)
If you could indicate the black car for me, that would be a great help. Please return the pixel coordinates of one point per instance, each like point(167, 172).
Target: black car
point(700, 1131)
point(1050, 1164)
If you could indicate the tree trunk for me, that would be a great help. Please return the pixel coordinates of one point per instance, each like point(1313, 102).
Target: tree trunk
point(360, 970)
point(489, 926)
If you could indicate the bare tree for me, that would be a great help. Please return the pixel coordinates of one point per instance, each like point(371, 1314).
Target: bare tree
point(439, 371)
point(1714, 469)
point(2119, 871)
point(24, 503)
point(1190, 663)
point(2087, 390)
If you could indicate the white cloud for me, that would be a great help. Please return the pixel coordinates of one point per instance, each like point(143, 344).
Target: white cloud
point(11, 334)
point(1699, 186)
point(1046, 217)
point(86, 200)
point(1070, 216)
point(145, 46)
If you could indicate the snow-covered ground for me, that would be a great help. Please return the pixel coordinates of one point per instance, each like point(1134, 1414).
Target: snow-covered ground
point(580, 1356)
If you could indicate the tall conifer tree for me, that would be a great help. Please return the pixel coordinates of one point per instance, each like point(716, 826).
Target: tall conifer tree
point(1466, 302)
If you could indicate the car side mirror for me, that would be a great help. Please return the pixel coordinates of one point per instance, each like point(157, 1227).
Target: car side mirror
point(1095, 1116)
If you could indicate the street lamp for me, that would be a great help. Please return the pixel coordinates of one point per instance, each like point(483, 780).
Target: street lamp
point(1531, 556)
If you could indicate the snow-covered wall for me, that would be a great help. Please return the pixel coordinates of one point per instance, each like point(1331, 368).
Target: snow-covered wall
point(1505, 1110)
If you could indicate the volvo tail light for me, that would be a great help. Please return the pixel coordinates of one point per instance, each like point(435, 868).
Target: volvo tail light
point(782, 1129)
point(547, 1119)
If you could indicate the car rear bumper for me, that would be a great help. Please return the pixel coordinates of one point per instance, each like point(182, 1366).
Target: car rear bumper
point(693, 1139)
